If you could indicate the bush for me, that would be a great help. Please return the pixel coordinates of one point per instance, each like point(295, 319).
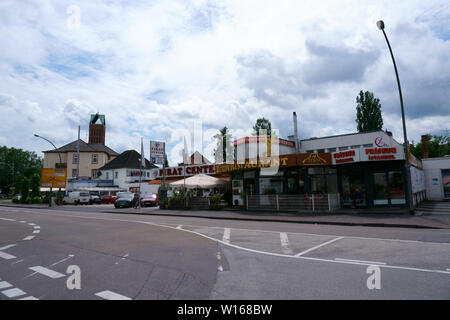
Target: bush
point(214, 201)
point(15, 200)
point(29, 200)
point(164, 203)
point(37, 200)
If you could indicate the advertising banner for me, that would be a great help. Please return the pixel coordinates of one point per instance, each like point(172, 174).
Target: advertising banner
point(53, 178)
point(157, 151)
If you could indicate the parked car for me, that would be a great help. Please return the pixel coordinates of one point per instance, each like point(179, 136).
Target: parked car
point(108, 198)
point(95, 199)
point(149, 200)
point(124, 200)
point(77, 197)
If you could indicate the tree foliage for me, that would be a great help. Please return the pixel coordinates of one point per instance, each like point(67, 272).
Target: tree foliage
point(438, 146)
point(262, 127)
point(224, 151)
point(368, 112)
point(15, 164)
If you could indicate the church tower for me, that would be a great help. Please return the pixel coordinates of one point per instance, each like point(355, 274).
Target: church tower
point(97, 128)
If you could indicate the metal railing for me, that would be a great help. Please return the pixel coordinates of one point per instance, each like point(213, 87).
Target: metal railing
point(293, 203)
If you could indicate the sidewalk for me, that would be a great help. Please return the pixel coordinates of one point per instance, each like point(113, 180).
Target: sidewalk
point(344, 217)
point(398, 218)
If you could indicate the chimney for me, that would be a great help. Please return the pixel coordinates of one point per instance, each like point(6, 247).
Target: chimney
point(297, 147)
point(425, 152)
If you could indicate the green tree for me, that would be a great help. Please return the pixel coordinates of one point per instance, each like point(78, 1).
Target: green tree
point(261, 125)
point(438, 146)
point(368, 112)
point(224, 151)
point(17, 163)
point(25, 189)
point(35, 184)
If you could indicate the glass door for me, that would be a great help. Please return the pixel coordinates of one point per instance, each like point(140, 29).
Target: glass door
point(380, 189)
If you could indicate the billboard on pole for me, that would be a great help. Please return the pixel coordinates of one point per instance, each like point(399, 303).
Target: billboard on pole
point(157, 150)
point(53, 178)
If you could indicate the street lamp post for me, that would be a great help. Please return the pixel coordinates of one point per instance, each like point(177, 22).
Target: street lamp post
point(381, 26)
point(60, 161)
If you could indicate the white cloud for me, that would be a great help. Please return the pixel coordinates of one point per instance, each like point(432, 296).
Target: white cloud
point(153, 67)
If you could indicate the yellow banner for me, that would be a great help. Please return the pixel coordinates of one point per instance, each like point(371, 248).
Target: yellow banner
point(53, 178)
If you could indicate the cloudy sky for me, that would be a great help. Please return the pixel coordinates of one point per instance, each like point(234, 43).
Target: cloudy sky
point(157, 69)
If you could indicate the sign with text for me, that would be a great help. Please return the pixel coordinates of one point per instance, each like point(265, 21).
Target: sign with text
point(344, 157)
point(157, 150)
point(190, 170)
point(53, 178)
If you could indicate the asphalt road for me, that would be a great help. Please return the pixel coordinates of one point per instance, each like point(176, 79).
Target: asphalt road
point(131, 256)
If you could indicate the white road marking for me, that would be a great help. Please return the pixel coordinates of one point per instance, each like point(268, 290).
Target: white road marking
point(219, 257)
point(29, 298)
point(362, 261)
point(6, 219)
point(65, 215)
point(36, 227)
point(179, 227)
point(22, 221)
point(17, 262)
point(65, 259)
point(47, 272)
point(32, 224)
point(36, 231)
point(28, 238)
point(123, 258)
point(109, 295)
point(317, 247)
point(226, 235)
point(285, 243)
point(7, 247)
point(4, 285)
point(6, 256)
point(12, 293)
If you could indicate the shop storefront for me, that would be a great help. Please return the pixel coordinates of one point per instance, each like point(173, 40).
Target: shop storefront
point(369, 171)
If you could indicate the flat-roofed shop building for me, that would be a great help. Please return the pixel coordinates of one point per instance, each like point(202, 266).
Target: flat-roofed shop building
point(363, 170)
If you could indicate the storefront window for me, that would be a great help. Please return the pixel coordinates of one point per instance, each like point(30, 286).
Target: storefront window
point(353, 187)
point(397, 188)
point(380, 189)
point(271, 185)
point(292, 182)
point(322, 180)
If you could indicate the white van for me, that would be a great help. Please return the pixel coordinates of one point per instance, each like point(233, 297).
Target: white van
point(77, 197)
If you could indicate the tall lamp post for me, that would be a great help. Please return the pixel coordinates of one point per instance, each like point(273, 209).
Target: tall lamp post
point(60, 161)
point(380, 25)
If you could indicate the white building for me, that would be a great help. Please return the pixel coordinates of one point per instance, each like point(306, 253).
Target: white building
point(125, 170)
point(437, 177)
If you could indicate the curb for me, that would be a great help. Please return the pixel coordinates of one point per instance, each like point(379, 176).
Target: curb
point(391, 225)
point(268, 219)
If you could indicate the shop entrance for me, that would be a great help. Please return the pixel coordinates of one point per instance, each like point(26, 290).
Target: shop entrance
point(249, 186)
point(388, 188)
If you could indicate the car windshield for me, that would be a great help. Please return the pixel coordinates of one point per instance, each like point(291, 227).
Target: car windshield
point(84, 194)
